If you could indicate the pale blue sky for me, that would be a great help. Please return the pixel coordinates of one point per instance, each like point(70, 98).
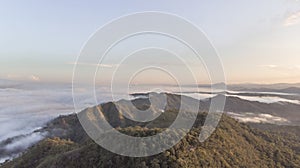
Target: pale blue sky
point(258, 41)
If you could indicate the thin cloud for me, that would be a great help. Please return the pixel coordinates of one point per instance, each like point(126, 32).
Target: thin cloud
point(92, 64)
point(292, 19)
point(12, 76)
point(294, 68)
point(269, 66)
point(34, 78)
point(23, 77)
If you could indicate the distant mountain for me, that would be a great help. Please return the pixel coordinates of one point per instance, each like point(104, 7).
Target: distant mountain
point(269, 86)
point(233, 144)
point(8, 84)
point(251, 86)
point(292, 90)
point(220, 85)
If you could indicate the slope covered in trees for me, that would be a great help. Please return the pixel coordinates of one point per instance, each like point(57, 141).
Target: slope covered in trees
point(233, 144)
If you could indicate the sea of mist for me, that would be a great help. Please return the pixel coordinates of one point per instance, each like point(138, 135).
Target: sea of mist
point(25, 107)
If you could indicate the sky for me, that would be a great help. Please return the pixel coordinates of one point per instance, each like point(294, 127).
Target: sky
point(257, 41)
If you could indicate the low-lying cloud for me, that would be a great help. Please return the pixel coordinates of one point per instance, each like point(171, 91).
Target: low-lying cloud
point(259, 118)
point(267, 99)
point(12, 147)
point(25, 107)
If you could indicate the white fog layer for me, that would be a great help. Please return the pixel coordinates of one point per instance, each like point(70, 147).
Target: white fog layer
point(27, 107)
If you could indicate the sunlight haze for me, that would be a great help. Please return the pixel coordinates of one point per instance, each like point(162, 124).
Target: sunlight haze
point(41, 40)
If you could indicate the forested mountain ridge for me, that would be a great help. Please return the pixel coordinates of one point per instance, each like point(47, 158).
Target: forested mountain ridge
point(233, 144)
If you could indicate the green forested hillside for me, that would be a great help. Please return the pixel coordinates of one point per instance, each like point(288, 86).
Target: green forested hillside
point(231, 145)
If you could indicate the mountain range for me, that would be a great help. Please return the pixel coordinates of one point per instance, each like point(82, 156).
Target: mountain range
point(233, 144)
